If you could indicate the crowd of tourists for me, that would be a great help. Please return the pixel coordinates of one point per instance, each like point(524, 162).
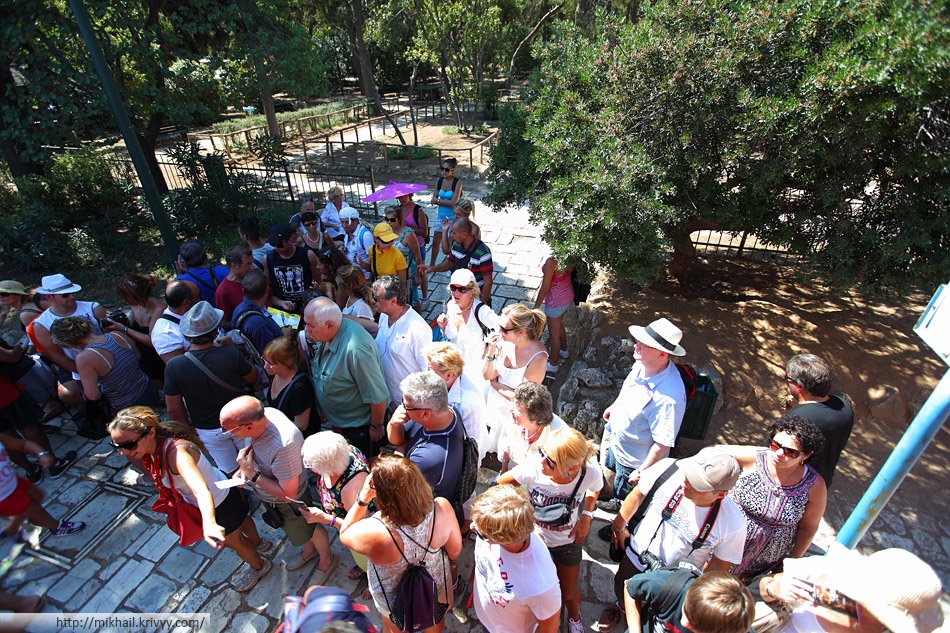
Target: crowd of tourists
point(301, 375)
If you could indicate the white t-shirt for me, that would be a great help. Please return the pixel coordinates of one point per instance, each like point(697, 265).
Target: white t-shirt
point(331, 219)
point(514, 441)
point(357, 247)
point(470, 402)
point(543, 491)
point(513, 592)
point(166, 335)
point(400, 349)
point(84, 309)
point(726, 540)
point(359, 308)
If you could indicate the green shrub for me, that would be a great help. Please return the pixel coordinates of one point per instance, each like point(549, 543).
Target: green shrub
point(198, 88)
point(450, 129)
point(418, 153)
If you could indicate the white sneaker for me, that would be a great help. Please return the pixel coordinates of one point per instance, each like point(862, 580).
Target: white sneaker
point(264, 546)
point(247, 577)
point(563, 353)
point(552, 369)
point(574, 626)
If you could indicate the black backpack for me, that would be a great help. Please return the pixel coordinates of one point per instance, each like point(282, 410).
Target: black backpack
point(683, 573)
point(581, 289)
point(688, 374)
point(468, 475)
point(414, 606)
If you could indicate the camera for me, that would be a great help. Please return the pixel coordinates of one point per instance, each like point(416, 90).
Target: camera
point(118, 316)
point(651, 561)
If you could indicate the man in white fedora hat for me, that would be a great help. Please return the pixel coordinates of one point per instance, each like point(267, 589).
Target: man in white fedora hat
point(644, 419)
point(61, 292)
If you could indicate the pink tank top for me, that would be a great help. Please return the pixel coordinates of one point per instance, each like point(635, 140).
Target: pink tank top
point(561, 291)
point(411, 223)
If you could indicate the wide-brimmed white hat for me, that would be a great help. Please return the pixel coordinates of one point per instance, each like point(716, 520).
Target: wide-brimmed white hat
point(57, 285)
point(894, 585)
point(661, 335)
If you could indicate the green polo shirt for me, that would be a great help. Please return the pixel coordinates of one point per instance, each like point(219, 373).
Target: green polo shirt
point(349, 377)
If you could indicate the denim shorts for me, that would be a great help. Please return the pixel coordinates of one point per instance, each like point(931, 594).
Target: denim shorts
point(556, 313)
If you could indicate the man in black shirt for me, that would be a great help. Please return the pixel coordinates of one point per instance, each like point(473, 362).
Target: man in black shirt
point(290, 269)
point(809, 381)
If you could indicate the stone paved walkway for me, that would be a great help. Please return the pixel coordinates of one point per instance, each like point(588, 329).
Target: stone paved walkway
point(127, 560)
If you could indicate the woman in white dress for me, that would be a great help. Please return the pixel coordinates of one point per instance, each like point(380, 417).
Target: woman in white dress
point(514, 356)
point(355, 297)
point(466, 321)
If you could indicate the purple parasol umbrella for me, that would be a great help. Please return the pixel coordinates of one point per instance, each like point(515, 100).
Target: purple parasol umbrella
point(393, 190)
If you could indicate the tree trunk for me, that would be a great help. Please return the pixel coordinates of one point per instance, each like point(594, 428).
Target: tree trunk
point(267, 101)
point(528, 38)
point(684, 253)
point(447, 89)
point(412, 112)
point(361, 51)
point(148, 141)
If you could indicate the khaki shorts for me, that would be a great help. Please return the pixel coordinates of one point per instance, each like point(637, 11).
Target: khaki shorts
point(295, 526)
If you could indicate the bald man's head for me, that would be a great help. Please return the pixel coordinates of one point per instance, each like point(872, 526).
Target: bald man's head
point(181, 294)
point(242, 411)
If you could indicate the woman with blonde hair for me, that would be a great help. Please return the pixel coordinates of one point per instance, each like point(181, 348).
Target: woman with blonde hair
point(290, 390)
point(173, 454)
point(563, 486)
point(514, 355)
point(107, 365)
point(410, 527)
point(464, 208)
point(516, 586)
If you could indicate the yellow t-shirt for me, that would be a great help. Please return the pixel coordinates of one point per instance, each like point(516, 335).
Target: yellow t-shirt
point(388, 262)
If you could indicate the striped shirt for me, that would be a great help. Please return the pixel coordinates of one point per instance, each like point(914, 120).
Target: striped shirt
point(277, 453)
point(476, 258)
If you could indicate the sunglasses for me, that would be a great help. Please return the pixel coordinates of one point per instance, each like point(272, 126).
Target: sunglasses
point(310, 223)
point(131, 445)
point(389, 219)
point(377, 299)
point(231, 431)
point(6, 294)
point(506, 330)
point(407, 408)
point(547, 460)
point(448, 168)
point(455, 288)
point(789, 452)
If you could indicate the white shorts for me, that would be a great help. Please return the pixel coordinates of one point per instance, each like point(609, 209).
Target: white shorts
point(223, 448)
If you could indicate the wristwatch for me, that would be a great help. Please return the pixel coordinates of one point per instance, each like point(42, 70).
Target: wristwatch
point(254, 478)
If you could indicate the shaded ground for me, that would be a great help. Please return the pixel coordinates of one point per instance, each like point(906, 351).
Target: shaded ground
point(745, 320)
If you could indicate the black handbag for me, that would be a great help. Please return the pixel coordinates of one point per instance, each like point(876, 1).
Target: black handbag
point(16, 370)
point(559, 514)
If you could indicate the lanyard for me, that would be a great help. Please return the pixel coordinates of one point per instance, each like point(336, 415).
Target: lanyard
point(671, 506)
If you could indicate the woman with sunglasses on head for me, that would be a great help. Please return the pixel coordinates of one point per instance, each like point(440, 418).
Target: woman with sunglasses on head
point(465, 321)
point(448, 190)
point(514, 355)
point(408, 245)
point(464, 208)
point(137, 291)
point(563, 477)
point(782, 497)
point(290, 390)
point(172, 453)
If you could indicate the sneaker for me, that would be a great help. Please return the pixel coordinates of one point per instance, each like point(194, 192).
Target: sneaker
point(35, 475)
point(264, 546)
point(611, 505)
point(247, 577)
point(563, 353)
point(609, 619)
point(68, 527)
point(552, 369)
point(574, 626)
point(62, 464)
point(300, 560)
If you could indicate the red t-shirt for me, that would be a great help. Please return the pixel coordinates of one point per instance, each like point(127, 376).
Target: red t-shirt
point(228, 296)
point(9, 391)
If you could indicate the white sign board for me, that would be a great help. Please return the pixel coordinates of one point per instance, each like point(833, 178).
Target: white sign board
point(934, 324)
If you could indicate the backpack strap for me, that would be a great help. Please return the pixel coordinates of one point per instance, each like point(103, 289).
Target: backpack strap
point(171, 317)
point(668, 595)
point(286, 391)
point(202, 281)
point(246, 314)
point(214, 279)
point(207, 372)
point(485, 330)
point(642, 510)
point(372, 261)
point(438, 185)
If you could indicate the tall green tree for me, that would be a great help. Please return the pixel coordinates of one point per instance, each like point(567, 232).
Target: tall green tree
point(820, 125)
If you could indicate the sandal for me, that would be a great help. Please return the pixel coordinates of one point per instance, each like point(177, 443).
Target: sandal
point(356, 573)
point(609, 619)
point(366, 595)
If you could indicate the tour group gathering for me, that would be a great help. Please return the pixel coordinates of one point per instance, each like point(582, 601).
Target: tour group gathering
point(299, 384)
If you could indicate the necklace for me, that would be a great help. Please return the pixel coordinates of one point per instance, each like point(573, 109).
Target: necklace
point(533, 437)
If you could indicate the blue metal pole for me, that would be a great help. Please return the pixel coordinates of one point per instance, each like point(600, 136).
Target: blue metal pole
point(911, 446)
